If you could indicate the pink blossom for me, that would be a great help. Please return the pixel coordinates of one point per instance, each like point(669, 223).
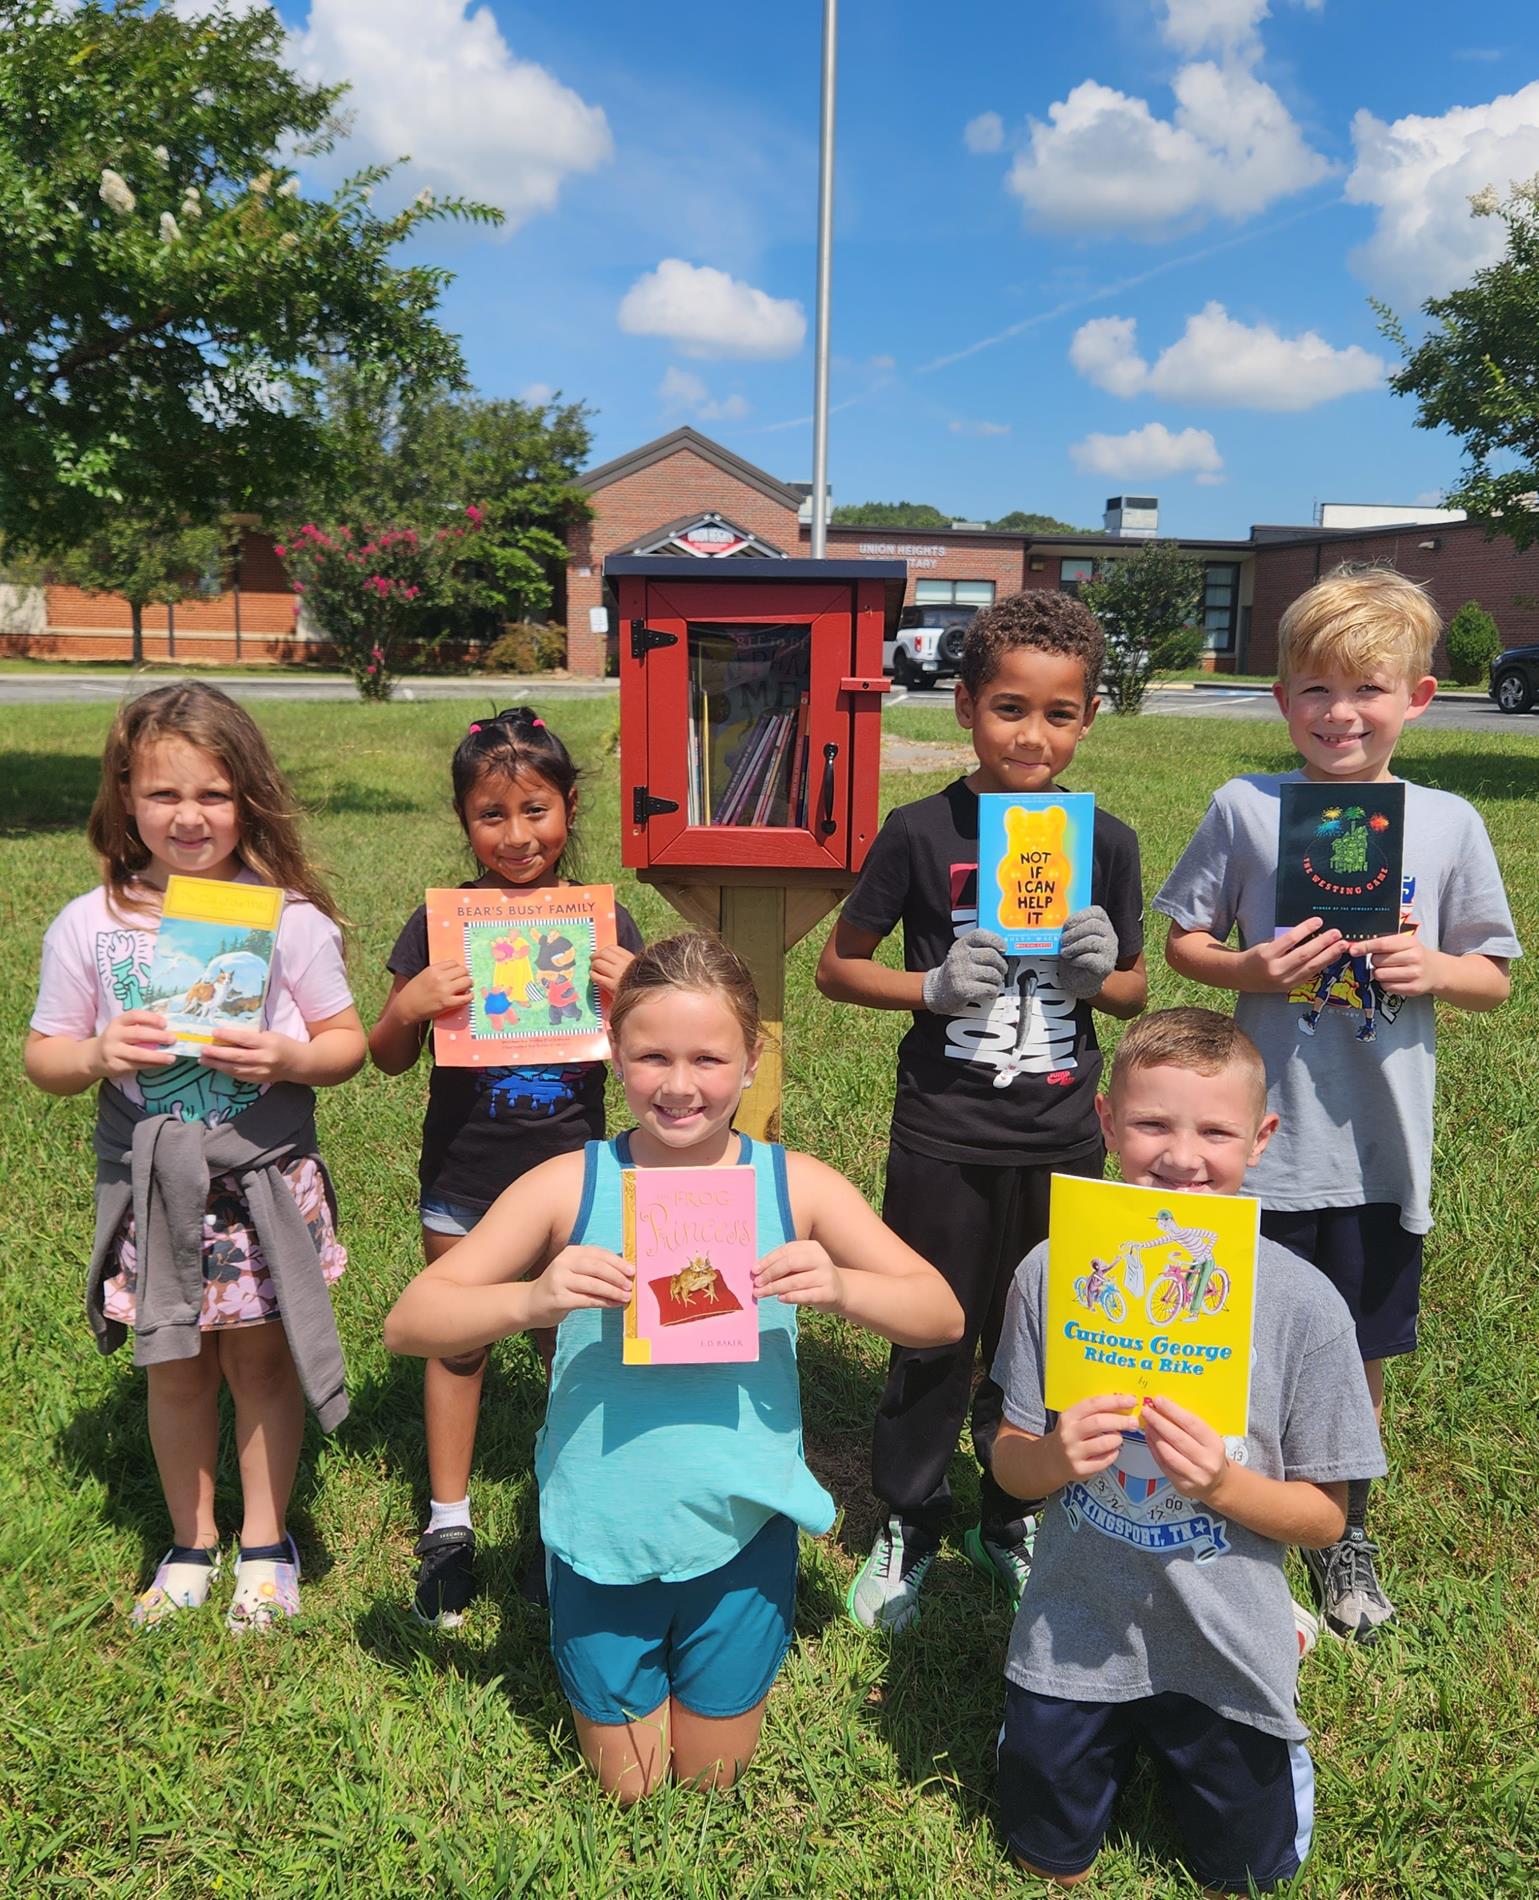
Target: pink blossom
point(299, 587)
point(279, 549)
point(473, 513)
point(412, 592)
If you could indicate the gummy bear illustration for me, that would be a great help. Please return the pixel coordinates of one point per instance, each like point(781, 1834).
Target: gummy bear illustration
point(1034, 871)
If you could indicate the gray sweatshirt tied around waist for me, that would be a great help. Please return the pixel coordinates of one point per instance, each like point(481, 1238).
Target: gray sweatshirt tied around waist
point(160, 1167)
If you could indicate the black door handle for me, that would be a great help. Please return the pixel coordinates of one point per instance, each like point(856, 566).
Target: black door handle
point(830, 753)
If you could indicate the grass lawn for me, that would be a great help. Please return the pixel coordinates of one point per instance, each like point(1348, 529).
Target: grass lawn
point(360, 1755)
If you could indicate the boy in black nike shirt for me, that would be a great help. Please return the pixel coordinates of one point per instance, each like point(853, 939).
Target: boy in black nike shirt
point(996, 1078)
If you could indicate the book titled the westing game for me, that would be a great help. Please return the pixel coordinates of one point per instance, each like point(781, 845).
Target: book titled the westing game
point(1339, 857)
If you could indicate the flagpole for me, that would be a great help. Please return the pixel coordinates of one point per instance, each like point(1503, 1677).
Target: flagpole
point(825, 280)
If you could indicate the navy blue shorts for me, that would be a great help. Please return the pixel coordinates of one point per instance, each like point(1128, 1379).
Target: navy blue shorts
point(1244, 1802)
point(715, 1642)
point(1372, 1262)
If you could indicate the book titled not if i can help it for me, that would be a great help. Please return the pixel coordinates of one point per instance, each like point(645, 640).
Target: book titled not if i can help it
point(1035, 854)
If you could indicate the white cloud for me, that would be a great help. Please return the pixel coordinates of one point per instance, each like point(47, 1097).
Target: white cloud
point(1420, 173)
point(707, 313)
point(682, 390)
point(536, 394)
point(1106, 163)
point(1151, 450)
point(436, 79)
point(986, 133)
point(1214, 26)
point(1220, 360)
point(978, 428)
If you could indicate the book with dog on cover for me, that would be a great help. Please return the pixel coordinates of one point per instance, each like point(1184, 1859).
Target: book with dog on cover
point(213, 957)
point(690, 1233)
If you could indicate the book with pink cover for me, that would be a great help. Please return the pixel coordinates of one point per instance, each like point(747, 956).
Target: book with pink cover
point(690, 1234)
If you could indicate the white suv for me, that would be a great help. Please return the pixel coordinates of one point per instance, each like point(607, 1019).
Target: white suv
point(928, 644)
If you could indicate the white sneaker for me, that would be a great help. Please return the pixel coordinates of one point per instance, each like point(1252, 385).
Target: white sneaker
point(885, 1593)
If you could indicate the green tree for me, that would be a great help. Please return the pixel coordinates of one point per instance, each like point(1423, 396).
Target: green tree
point(1148, 605)
point(147, 562)
point(1474, 641)
point(1019, 522)
point(168, 293)
point(889, 514)
point(1476, 373)
point(421, 458)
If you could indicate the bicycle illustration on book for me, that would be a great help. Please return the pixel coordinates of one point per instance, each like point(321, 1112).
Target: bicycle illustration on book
point(1189, 1285)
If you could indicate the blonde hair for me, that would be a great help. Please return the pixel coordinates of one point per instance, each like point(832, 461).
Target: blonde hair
point(1357, 620)
point(268, 817)
point(693, 960)
point(1189, 1038)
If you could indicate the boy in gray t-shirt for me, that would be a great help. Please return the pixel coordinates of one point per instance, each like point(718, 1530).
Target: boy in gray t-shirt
point(1346, 1029)
point(1157, 1614)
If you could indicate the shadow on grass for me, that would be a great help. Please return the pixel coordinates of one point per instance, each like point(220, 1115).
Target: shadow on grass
point(1475, 775)
point(324, 799)
point(47, 791)
point(110, 1441)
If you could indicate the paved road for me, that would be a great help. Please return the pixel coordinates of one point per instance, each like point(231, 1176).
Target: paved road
point(22, 689)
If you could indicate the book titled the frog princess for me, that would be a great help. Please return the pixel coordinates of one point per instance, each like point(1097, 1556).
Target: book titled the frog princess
point(690, 1234)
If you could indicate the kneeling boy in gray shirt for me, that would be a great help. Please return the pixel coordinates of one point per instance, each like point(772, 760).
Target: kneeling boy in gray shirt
point(1157, 1614)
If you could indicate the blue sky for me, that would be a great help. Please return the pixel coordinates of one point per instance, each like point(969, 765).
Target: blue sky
point(1080, 248)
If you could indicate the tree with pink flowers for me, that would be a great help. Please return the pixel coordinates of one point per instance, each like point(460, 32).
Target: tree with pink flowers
point(372, 592)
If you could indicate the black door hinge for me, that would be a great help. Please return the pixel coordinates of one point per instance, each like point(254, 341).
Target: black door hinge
point(644, 638)
point(645, 806)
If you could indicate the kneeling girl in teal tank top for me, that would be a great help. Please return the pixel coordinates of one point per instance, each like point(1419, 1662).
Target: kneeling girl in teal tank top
point(670, 1498)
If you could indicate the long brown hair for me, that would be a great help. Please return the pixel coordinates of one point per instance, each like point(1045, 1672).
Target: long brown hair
point(268, 816)
point(693, 960)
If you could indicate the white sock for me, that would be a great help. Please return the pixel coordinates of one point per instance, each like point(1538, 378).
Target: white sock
point(442, 1517)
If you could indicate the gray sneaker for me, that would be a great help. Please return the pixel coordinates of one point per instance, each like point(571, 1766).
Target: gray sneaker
point(1003, 1554)
point(1351, 1599)
point(885, 1593)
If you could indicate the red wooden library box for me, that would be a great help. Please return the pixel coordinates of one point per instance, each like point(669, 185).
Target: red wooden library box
point(750, 712)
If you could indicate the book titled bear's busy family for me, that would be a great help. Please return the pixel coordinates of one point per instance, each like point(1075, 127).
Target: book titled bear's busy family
point(533, 998)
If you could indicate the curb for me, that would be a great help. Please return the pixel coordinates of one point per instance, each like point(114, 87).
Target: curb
point(1469, 696)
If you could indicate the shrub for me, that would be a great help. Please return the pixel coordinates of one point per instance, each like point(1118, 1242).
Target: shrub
point(1473, 643)
point(524, 646)
point(1149, 604)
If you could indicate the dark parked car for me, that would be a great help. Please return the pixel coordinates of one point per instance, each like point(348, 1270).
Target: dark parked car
point(1515, 679)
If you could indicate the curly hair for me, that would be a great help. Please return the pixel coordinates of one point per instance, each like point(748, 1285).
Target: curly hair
point(1040, 618)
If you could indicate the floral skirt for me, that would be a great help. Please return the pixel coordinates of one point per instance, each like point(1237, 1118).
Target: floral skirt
point(237, 1287)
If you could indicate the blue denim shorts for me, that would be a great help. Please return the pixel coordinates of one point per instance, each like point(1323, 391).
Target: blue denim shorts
point(440, 1216)
point(715, 1642)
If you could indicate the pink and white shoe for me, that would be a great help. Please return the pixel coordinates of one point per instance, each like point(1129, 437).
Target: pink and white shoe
point(182, 1581)
point(266, 1587)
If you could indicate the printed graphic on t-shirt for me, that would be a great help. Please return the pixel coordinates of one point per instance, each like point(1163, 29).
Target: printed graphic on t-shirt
point(1028, 1029)
point(1347, 984)
point(1136, 1503)
point(530, 1091)
point(187, 1089)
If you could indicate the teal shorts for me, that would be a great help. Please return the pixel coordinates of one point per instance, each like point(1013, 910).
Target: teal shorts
point(715, 1643)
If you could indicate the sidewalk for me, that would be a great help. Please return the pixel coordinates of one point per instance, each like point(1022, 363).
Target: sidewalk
point(1220, 685)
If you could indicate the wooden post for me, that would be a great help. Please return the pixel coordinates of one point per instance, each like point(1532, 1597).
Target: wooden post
point(753, 923)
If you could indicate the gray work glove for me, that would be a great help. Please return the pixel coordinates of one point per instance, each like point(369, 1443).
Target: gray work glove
point(971, 977)
point(1087, 951)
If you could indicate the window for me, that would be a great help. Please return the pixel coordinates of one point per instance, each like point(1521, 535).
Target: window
point(954, 593)
point(1220, 597)
point(1073, 573)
